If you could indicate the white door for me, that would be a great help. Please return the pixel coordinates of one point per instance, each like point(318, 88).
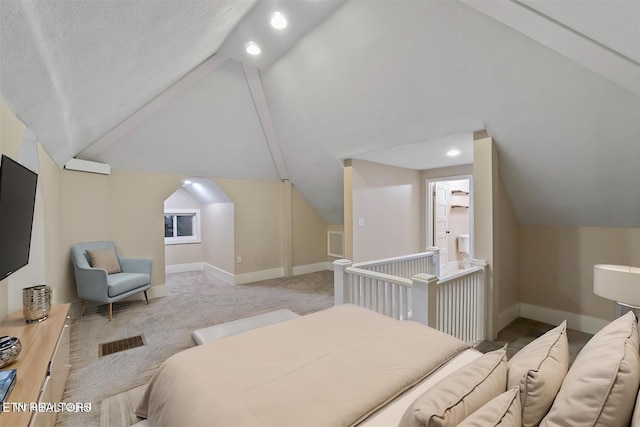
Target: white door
point(440, 232)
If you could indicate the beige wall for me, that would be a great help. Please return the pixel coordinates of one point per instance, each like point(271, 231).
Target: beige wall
point(309, 233)
point(126, 207)
point(556, 265)
point(55, 271)
point(258, 223)
point(508, 251)
point(388, 199)
point(218, 236)
point(187, 253)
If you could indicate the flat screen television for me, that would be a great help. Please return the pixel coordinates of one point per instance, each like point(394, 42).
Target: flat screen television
point(17, 201)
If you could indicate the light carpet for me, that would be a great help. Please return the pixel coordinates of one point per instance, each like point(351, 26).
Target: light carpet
point(195, 300)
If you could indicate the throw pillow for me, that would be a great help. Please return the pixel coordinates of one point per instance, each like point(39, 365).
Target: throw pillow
point(601, 386)
point(502, 411)
point(538, 370)
point(460, 393)
point(106, 259)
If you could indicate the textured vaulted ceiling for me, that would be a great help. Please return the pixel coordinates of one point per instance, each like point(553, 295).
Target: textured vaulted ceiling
point(134, 84)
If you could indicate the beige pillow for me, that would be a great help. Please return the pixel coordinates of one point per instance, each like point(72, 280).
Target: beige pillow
point(106, 259)
point(601, 386)
point(460, 393)
point(538, 370)
point(502, 411)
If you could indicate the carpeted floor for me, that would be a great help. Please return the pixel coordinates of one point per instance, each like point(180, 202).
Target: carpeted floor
point(522, 331)
point(194, 300)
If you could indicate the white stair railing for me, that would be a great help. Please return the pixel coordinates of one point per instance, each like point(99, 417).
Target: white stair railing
point(406, 266)
point(454, 305)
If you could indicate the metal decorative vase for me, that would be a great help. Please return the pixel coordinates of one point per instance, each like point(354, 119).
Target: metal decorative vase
point(36, 303)
point(9, 350)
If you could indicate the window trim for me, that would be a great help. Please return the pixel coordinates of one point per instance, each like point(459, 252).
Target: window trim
point(196, 238)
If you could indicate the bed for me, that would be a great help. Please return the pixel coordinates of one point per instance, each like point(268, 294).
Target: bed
point(348, 366)
point(342, 366)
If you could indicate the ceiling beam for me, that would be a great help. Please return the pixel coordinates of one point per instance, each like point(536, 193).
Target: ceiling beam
point(266, 121)
point(576, 46)
point(155, 105)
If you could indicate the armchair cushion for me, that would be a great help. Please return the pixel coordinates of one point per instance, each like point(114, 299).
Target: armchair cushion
point(120, 283)
point(106, 259)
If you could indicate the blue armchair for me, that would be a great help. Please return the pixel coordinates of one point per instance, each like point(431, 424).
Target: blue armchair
point(94, 284)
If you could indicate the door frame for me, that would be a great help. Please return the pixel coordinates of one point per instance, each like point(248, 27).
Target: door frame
point(429, 185)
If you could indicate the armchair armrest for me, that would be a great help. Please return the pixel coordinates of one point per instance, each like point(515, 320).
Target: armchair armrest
point(136, 265)
point(91, 283)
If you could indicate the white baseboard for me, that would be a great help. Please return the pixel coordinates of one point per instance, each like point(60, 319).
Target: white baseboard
point(507, 316)
point(256, 276)
point(312, 268)
point(181, 268)
point(579, 322)
point(224, 276)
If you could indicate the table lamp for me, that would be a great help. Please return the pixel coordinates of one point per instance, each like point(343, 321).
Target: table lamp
point(618, 283)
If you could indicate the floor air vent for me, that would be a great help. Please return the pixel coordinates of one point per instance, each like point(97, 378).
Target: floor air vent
point(121, 345)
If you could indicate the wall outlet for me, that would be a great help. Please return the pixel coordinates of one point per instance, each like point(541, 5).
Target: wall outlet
point(361, 222)
point(239, 259)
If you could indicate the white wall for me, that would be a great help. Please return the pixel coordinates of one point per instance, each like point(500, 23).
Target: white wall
point(388, 200)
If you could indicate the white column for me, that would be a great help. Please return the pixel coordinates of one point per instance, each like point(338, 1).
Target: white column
point(482, 293)
point(340, 288)
point(423, 299)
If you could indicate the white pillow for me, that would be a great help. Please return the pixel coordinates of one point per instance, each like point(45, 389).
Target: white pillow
point(460, 393)
point(538, 370)
point(601, 386)
point(502, 411)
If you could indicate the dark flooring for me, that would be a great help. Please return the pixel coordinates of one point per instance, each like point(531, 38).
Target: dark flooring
point(517, 334)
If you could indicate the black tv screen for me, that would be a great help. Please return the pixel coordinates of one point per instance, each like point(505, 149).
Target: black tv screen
point(17, 201)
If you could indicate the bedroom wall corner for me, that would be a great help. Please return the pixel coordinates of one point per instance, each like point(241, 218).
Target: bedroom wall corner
point(309, 233)
point(51, 180)
point(218, 237)
point(258, 224)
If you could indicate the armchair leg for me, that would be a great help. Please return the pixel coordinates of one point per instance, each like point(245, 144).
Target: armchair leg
point(110, 311)
point(146, 297)
point(84, 307)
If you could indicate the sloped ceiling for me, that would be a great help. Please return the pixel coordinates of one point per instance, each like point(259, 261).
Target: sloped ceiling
point(365, 79)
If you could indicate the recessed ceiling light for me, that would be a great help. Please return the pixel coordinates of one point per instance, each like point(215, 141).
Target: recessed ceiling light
point(278, 21)
point(253, 49)
point(453, 153)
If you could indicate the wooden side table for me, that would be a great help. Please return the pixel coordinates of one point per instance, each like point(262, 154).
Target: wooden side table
point(42, 366)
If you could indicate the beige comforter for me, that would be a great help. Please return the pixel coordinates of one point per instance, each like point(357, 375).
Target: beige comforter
point(331, 368)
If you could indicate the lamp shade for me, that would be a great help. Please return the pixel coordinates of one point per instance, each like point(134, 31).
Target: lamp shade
point(617, 282)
